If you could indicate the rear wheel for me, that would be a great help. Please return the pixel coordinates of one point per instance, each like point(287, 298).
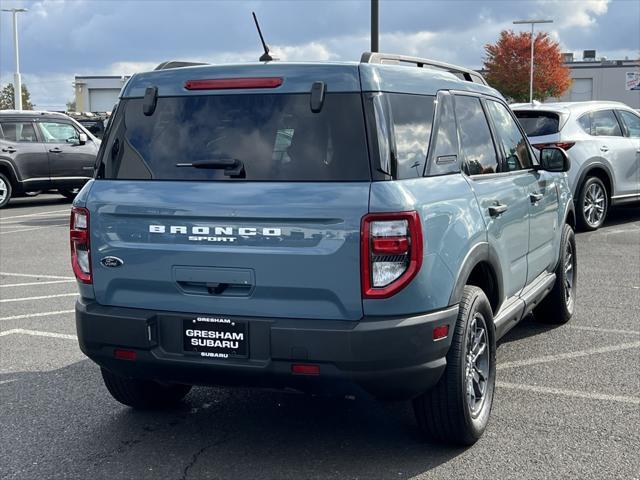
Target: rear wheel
point(69, 193)
point(457, 409)
point(143, 394)
point(593, 204)
point(5, 190)
point(557, 307)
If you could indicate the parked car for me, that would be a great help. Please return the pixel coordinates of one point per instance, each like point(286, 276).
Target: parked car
point(42, 151)
point(326, 227)
point(602, 140)
point(94, 122)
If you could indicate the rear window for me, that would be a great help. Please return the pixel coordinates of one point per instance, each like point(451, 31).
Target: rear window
point(274, 137)
point(537, 124)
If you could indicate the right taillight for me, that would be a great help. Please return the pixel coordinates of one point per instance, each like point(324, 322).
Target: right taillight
point(391, 252)
point(80, 249)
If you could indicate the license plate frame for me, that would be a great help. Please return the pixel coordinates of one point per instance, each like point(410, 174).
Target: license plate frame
point(215, 337)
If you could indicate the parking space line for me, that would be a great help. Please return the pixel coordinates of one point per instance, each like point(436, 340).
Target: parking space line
point(8, 381)
point(604, 330)
point(34, 228)
point(35, 315)
point(33, 275)
point(39, 214)
point(28, 284)
point(570, 393)
point(41, 297)
point(567, 356)
point(37, 333)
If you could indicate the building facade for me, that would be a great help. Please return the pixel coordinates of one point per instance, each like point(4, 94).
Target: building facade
point(97, 93)
point(613, 80)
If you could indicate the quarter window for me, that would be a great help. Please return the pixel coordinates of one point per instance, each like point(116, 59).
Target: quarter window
point(412, 120)
point(476, 144)
point(513, 142)
point(18, 132)
point(632, 122)
point(605, 124)
point(54, 132)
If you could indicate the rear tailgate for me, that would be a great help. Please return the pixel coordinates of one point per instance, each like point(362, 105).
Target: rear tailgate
point(259, 249)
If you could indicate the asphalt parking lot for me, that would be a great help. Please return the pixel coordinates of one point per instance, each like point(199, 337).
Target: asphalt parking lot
point(567, 402)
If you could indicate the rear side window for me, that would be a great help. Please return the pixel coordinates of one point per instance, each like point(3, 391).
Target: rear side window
point(537, 124)
point(412, 118)
point(18, 131)
point(274, 137)
point(475, 137)
point(605, 124)
point(514, 144)
point(632, 122)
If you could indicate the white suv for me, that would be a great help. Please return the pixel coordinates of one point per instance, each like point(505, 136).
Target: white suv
point(602, 140)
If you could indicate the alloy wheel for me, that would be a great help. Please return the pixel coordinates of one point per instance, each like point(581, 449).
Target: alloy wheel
point(477, 364)
point(4, 191)
point(594, 204)
point(569, 275)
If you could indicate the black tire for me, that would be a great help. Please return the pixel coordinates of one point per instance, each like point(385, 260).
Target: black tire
point(444, 413)
point(5, 190)
point(143, 394)
point(585, 221)
point(558, 306)
point(69, 193)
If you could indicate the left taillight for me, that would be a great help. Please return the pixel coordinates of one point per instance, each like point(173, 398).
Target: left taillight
point(80, 245)
point(391, 252)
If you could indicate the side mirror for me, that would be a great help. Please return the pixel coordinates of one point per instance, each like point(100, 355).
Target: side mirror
point(554, 159)
point(82, 139)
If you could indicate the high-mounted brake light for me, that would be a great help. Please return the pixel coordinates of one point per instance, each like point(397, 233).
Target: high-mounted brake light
point(79, 237)
point(562, 145)
point(233, 83)
point(390, 253)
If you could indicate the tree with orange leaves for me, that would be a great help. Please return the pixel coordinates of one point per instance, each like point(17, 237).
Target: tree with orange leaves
point(508, 61)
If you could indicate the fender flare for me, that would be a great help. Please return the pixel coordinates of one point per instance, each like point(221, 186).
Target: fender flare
point(480, 252)
point(13, 176)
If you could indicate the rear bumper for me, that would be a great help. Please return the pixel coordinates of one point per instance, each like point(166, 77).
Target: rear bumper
point(388, 357)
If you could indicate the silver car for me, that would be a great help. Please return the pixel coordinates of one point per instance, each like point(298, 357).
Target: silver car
point(602, 140)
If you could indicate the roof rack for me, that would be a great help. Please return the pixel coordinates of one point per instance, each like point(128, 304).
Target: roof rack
point(390, 59)
point(177, 64)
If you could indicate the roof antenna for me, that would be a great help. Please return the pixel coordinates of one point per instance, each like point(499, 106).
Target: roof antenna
point(265, 57)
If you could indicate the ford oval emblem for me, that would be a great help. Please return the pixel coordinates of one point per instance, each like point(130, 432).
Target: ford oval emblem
point(112, 262)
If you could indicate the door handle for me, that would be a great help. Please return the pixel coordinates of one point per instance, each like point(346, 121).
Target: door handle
point(535, 197)
point(604, 148)
point(9, 150)
point(497, 209)
point(55, 150)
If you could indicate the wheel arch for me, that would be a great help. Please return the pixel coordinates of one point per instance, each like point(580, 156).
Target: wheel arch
point(479, 268)
point(7, 168)
point(599, 170)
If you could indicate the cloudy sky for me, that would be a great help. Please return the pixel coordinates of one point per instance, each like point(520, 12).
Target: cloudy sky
point(63, 38)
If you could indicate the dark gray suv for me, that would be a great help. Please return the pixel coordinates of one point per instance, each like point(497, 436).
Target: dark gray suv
point(42, 151)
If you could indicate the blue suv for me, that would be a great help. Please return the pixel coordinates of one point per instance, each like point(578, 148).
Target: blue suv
point(326, 227)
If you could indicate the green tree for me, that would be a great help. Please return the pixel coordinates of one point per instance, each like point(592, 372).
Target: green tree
point(7, 98)
point(71, 105)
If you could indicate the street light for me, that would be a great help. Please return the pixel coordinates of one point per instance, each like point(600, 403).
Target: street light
point(17, 84)
point(532, 22)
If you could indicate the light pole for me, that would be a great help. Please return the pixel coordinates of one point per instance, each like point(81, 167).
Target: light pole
point(532, 22)
point(375, 35)
point(17, 84)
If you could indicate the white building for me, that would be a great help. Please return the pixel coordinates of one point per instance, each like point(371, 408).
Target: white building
point(97, 93)
point(614, 80)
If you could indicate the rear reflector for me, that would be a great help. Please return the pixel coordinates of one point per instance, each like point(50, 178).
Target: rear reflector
point(562, 145)
point(233, 83)
point(440, 332)
point(305, 369)
point(125, 354)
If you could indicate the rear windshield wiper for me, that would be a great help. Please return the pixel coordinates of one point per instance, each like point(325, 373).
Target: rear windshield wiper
point(232, 166)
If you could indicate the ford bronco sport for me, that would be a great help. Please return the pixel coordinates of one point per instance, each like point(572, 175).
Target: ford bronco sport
point(326, 227)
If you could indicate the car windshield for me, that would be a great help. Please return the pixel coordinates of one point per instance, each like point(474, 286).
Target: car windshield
point(537, 124)
point(275, 136)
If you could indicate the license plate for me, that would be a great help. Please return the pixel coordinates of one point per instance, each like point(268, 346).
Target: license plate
point(215, 337)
